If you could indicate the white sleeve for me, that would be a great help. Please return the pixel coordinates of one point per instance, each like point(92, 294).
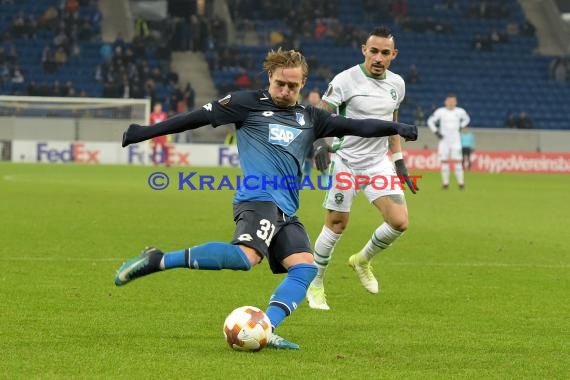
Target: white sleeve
point(434, 118)
point(402, 92)
point(465, 119)
point(334, 94)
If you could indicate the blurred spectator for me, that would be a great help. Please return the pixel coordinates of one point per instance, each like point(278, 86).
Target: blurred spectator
point(513, 28)
point(32, 89)
point(71, 6)
point(511, 120)
point(527, 29)
point(60, 56)
point(559, 69)
point(419, 117)
point(17, 76)
point(243, 80)
point(141, 27)
point(172, 76)
point(413, 75)
point(482, 43)
point(56, 89)
point(497, 37)
point(320, 29)
point(189, 96)
point(48, 63)
point(524, 121)
point(69, 89)
point(106, 52)
point(276, 38)
point(313, 97)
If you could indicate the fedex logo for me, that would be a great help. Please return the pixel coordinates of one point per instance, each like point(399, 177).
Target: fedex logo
point(282, 134)
point(174, 157)
point(227, 157)
point(75, 153)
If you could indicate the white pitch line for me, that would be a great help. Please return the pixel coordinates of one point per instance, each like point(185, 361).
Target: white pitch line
point(10, 177)
point(404, 263)
point(482, 264)
point(43, 258)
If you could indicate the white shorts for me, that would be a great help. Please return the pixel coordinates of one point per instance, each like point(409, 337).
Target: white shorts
point(377, 181)
point(449, 152)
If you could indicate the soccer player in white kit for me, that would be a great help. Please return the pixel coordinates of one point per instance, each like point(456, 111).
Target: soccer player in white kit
point(451, 119)
point(367, 90)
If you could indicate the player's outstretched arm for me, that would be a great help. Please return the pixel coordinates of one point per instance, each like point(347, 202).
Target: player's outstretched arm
point(179, 123)
point(340, 126)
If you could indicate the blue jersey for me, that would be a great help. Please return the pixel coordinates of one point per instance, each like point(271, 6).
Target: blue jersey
point(272, 143)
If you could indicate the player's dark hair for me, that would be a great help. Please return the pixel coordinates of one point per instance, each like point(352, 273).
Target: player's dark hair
point(451, 95)
point(382, 31)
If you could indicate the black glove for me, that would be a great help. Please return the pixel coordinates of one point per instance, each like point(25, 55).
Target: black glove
point(402, 172)
point(407, 131)
point(438, 134)
point(133, 134)
point(322, 157)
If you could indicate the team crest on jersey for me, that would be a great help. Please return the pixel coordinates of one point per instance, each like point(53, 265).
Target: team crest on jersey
point(282, 134)
point(338, 198)
point(300, 118)
point(225, 100)
point(393, 93)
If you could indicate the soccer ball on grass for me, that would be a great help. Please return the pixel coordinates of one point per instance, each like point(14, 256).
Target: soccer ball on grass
point(247, 328)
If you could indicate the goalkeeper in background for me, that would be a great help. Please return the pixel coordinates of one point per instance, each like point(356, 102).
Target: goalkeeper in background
point(367, 90)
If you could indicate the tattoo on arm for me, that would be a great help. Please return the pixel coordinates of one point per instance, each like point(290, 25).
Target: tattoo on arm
point(395, 144)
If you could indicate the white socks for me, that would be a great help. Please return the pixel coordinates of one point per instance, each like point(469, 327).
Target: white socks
point(445, 173)
point(459, 173)
point(324, 248)
point(381, 239)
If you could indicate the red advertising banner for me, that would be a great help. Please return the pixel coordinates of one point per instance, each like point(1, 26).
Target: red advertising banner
point(496, 162)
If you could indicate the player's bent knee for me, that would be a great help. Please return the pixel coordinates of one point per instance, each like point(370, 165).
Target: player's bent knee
point(298, 258)
point(253, 257)
point(399, 224)
point(337, 225)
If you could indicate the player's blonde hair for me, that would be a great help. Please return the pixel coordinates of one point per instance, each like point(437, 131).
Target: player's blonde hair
point(285, 59)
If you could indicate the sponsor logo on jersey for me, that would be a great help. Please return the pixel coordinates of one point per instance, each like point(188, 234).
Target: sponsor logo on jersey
point(245, 237)
point(225, 100)
point(282, 134)
point(300, 118)
point(207, 107)
point(267, 113)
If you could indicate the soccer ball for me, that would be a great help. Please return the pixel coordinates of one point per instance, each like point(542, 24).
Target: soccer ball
point(247, 328)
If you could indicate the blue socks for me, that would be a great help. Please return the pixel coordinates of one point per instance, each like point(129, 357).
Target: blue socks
point(215, 256)
point(209, 256)
point(290, 292)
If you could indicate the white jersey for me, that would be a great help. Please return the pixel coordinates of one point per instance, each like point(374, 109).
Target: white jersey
point(450, 123)
point(359, 96)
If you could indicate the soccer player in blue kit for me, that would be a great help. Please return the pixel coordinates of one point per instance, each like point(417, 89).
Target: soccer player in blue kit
point(274, 134)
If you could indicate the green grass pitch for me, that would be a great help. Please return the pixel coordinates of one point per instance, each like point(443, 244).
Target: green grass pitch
point(479, 286)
